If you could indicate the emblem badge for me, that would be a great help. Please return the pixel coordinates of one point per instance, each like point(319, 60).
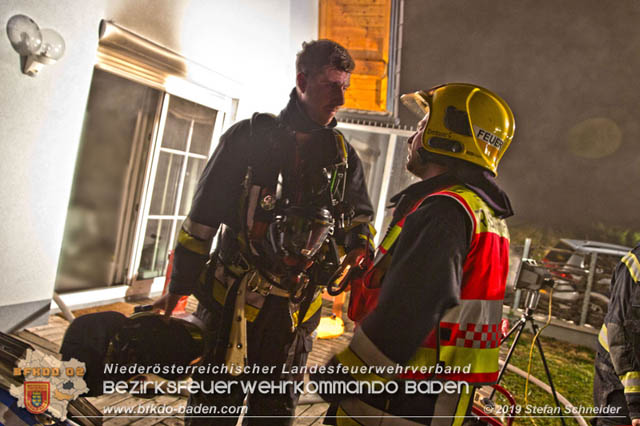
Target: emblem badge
point(268, 203)
point(37, 396)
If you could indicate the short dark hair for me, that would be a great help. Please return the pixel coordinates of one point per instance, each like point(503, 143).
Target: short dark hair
point(318, 53)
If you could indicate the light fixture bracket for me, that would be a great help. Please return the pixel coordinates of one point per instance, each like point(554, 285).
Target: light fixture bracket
point(36, 47)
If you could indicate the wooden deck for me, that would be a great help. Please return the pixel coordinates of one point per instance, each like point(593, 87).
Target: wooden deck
point(49, 338)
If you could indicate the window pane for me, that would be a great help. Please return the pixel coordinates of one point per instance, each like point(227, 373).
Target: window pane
point(194, 170)
point(155, 249)
point(176, 129)
point(182, 115)
point(165, 188)
point(372, 150)
point(202, 132)
point(118, 117)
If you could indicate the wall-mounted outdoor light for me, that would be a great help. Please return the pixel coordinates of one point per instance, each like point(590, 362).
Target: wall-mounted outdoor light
point(36, 47)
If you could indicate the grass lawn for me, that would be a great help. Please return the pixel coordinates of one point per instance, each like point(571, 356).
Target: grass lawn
point(571, 370)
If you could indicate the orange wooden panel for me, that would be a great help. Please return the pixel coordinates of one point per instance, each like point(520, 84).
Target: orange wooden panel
point(363, 28)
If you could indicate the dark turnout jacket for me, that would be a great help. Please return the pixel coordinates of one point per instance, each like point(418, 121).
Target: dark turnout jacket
point(618, 357)
point(267, 147)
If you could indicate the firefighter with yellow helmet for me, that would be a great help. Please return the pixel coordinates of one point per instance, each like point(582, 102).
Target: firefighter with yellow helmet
point(428, 308)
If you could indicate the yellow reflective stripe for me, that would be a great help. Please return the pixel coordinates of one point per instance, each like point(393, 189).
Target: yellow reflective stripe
point(487, 222)
point(631, 382)
point(630, 375)
point(193, 244)
point(343, 418)
point(632, 265)
point(372, 230)
point(480, 360)
point(368, 240)
point(251, 312)
point(220, 293)
point(461, 409)
point(391, 237)
point(313, 308)
point(349, 359)
point(603, 338)
point(343, 145)
point(198, 230)
point(484, 216)
point(469, 196)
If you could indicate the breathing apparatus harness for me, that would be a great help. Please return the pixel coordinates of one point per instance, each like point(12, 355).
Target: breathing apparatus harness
point(288, 222)
point(289, 229)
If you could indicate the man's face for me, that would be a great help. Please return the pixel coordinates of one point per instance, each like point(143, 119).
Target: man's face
point(322, 94)
point(415, 164)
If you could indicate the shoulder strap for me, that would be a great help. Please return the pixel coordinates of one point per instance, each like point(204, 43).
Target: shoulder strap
point(261, 121)
point(341, 142)
point(263, 147)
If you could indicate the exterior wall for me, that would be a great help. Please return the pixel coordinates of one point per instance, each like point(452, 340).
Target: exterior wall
point(569, 71)
point(41, 118)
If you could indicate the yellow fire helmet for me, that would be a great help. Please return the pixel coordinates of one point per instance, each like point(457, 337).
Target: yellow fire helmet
point(465, 121)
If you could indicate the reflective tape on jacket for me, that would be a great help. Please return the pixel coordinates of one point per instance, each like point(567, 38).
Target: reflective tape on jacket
point(193, 244)
point(631, 382)
point(474, 312)
point(469, 332)
point(603, 338)
point(392, 235)
point(469, 338)
point(486, 266)
point(222, 281)
point(631, 261)
point(477, 366)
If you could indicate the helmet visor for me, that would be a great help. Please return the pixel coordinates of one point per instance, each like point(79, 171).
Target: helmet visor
point(416, 102)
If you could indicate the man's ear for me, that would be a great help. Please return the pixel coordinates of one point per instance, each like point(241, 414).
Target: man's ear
point(301, 82)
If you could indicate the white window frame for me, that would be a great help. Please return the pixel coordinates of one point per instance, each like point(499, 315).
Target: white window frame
point(150, 175)
point(388, 163)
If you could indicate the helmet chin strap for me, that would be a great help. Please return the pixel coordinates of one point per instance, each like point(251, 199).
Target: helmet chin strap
point(430, 157)
point(432, 164)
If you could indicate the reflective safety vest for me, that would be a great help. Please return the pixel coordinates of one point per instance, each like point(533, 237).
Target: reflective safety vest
point(469, 333)
point(624, 343)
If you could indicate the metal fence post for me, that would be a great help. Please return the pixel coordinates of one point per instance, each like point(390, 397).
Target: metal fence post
point(587, 293)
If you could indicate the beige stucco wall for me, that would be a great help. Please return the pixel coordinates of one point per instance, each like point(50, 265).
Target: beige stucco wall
point(250, 41)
